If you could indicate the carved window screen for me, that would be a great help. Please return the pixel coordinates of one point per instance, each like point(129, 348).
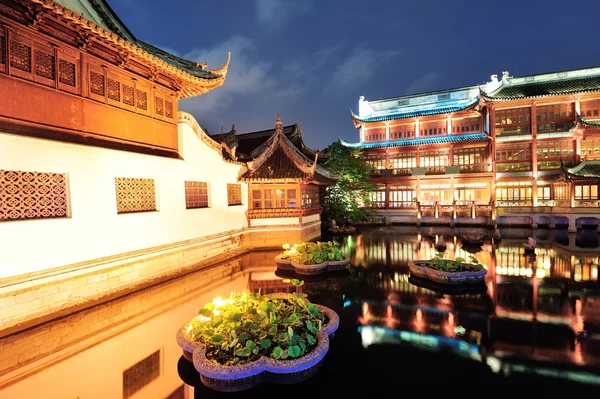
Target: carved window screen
point(142, 100)
point(97, 83)
point(44, 65)
point(66, 73)
point(114, 90)
point(20, 56)
point(234, 194)
point(32, 195)
point(196, 194)
point(128, 95)
point(135, 195)
point(160, 105)
point(141, 374)
point(168, 109)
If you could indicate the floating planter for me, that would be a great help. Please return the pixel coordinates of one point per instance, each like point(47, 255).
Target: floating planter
point(311, 258)
point(448, 271)
point(238, 343)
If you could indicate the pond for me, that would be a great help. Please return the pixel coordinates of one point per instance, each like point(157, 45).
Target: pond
point(534, 322)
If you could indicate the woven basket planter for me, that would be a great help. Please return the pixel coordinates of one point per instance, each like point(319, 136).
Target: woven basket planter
point(241, 377)
point(418, 268)
point(337, 265)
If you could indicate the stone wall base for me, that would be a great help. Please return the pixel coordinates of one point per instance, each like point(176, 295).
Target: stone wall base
point(35, 298)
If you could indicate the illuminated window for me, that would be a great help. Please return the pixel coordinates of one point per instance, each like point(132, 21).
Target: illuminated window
point(402, 132)
point(310, 196)
point(586, 192)
point(274, 197)
point(550, 153)
point(589, 109)
point(377, 196)
point(467, 125)
point(513, 191)
point(554, 118)
point(402, 196)
point(375, 161)
point(543, 193)
point(403, 160)
point(513, 121)
point(513, 157)
point(432, 128)
point(590, 148)
point(470, 156)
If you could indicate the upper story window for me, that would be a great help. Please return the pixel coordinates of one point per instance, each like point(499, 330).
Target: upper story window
point(590, 109)
point(513, 157)
point(467, 125)
point(374, 134)
point(432, 128)
point(470, 156)
point(590, 148)
point(375, 161)
point(513, 121)
point(402, 132)
point(554, 118)
point(403, 160)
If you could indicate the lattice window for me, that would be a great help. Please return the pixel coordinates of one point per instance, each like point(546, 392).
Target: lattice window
point(97, 83)
point(135, 195)
point(114, 90)
point(196, 194)
point(66, 73)
point(128, 95)
point(234, 194)
point(20, 56)
point(142, 100)
point(32, 195)
point(168, 109)
point(160, 106)
point(44, 65)
point(2, 50)
point(141, 374)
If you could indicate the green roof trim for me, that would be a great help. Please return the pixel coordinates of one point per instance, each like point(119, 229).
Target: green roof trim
point(421, 141)
point(516, 91)
point(585, 170)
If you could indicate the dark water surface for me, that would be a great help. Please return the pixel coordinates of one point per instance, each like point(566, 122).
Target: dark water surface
point(534, 324)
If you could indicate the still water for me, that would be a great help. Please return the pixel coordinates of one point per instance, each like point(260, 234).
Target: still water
point(535, 322)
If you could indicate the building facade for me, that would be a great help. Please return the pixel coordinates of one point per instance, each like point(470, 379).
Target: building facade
point(512, 151)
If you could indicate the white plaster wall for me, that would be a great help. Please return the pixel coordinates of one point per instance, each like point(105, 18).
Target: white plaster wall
point(95, 229)
point(275, 222)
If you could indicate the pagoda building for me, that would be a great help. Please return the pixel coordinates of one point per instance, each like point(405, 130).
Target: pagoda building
point(283, 177)
point(430, 154)
point(492, 153)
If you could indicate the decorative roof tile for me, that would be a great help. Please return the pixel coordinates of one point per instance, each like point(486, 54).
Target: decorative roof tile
point(412, 112)
point(529, 89)
point(585, 170)
point(421, 141)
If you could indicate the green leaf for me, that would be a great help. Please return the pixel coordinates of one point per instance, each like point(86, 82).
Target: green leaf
point(302, 346)
point(244, 337)
point(234, 317)
point(459, 259)
point(216, 321)
point(209, 332)
point(311, 340)
point(236, 360)
point(217, 338)
point(301, 302)
point(277, 352)
point(294, 351)
point(262, 314)
point(206, 312)
point(290, 331)
point(251, 345)
point(233, 343)
point(312, 309)
point(284, 354)
point(265, 343)
point(273, 330)
point(310, 327)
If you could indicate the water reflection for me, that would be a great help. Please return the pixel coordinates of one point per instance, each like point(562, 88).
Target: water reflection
point(536, 315)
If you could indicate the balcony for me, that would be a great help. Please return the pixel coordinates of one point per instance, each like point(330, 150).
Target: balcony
point(435, 170)
point(268, 213)
point(477, 168)
point(402, 205)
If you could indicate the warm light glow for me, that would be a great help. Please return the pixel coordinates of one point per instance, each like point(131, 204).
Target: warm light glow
point(389, 312)
point(365, 309)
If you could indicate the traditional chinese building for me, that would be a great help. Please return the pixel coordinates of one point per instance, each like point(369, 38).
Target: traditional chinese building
point(491, 154)
point(283, 178)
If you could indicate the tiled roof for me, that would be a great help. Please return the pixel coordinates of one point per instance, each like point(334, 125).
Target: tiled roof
point(510, 91)
point(585, 170)
point(422, 141)
point(412, 112)
point(280, 159)
point(588, 122)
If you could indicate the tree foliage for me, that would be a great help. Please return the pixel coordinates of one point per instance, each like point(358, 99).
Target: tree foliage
point(348, 200)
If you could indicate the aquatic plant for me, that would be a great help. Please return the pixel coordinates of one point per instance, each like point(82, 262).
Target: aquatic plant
point(246, 326)
point(311, 253)
point(457, 265)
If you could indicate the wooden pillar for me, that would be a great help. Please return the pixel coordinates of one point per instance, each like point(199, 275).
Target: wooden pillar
point(418, 158)
point(492, 133)
point(577, 108)
point(572, 193)
point(417, 127)
point(387, 155)
point(387, 131)
point(387, 196)
point(451, 155)
point(534, 169)
point(449, 125)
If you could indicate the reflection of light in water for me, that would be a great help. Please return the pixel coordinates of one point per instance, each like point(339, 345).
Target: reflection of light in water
point(389, 312)
point(578, 325)
point(419, 324)
point(577, 355)
point(365, 309)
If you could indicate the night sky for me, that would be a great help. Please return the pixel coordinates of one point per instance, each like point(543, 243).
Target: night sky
point(311, 59)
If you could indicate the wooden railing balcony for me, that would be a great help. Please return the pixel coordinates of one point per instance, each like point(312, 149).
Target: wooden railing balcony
point(402, 205)
point(402, 172)
point(435, 170)
point(587, 203)
point(267, 213)
point(514, 203)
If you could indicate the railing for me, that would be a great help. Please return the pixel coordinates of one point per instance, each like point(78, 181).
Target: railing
point(587, 203)
point(266, 213)
point(512, 130)
point(435, 170)
point(514, 203)
point(478, 168)
point(402, 172)
point(554, 127)
point(445, 210)
point(513, 167)
point(402, 205)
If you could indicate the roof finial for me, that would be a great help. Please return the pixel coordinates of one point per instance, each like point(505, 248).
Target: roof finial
point(278, 125)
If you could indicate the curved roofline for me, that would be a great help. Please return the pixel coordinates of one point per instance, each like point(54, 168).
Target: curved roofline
point(419, 141)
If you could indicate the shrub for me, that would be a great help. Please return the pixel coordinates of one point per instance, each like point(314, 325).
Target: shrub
point(311, 253)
